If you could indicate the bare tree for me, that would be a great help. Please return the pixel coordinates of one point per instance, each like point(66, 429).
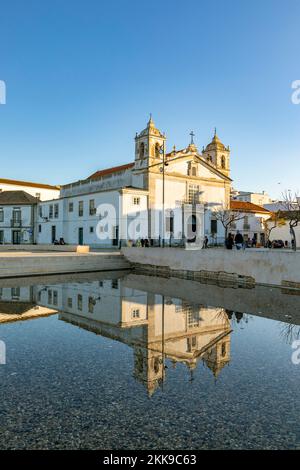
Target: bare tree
point(227, 217)
point(275, 220)
point(291, 213)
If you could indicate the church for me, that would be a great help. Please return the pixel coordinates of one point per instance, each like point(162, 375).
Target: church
point(165, 197)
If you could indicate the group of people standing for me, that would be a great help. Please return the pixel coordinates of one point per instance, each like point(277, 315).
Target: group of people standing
point(237, 241)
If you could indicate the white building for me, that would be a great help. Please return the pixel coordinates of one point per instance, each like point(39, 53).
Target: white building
point(144, 199)
point(17, 217)
point(37, 190)
point(252, 223)
point(260, 199)
point(280, 229)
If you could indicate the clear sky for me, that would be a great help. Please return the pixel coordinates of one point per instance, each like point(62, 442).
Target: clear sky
point(82, 77)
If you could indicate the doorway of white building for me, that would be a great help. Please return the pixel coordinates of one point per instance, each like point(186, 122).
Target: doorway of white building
point(53, 233)
point(80, 236)
point(116, 237)
point(16, 237)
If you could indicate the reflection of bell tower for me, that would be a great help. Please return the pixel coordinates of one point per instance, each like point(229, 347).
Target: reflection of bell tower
point(147, 145)
point(148, 368)
point(217, 155)
point(218, 355)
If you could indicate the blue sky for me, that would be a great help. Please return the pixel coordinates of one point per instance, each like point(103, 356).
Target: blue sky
point(83, 76)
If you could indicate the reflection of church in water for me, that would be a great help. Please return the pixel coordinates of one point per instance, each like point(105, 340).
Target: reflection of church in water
point(158, 328)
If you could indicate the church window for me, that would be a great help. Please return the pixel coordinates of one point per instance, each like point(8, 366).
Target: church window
point(157, 150)
point(114, 284)
point(191, 343)
point(193, 194)
point(136, 201)
point(41, 211)
point(223, 352)
point(135, 313)
point(223, 162)
point(156, 365)
point(194, 171)
point(40, 228)
point(142, 150)
point(192, 317)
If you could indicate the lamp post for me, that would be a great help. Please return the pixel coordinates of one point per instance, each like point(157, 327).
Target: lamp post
point(162, 170)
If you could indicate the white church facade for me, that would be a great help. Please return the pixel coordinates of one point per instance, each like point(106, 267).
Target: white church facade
point(162, 197)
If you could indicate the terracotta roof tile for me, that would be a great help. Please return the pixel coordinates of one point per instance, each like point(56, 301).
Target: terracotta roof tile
point(245, 206)
point(27, 183)
point(16, 197)
point(108, 171)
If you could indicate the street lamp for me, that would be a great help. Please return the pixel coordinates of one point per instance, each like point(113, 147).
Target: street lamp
point(162, 170)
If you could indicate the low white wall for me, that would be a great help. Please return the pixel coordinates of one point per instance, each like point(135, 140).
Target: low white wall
point(19, 264)
point(45, 247)
point(265, 266)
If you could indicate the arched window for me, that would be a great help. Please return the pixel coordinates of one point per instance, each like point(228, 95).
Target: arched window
point(223, 164)
point(156, 365)
point(157, 150)
point(142, 150)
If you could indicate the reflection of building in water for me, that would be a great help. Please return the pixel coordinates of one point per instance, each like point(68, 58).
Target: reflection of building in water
point(156, 327)
point(19, 303)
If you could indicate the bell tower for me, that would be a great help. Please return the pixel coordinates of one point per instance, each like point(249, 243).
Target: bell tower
point(217, 155)
point(148, 145)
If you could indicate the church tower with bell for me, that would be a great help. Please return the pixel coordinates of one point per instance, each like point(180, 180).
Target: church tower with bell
point(218, 155)
point(149, 145)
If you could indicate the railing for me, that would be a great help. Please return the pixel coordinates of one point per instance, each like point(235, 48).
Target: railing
point(16, 223)
point(187, 200)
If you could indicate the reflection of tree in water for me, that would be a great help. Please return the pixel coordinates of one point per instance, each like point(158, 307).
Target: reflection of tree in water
point(238, 318)
point(289, 332)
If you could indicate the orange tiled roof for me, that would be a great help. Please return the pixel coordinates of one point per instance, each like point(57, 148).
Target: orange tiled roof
point(244, 206)
point(108, 171)
point(27, 183)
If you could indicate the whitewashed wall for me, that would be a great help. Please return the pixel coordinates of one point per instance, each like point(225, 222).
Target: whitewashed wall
point(44, 193)
point(27, 223)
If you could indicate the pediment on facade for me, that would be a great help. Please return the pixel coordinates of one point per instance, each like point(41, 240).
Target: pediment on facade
point(179, 164)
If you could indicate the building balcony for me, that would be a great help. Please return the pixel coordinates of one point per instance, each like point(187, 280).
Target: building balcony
point(16, 223)
point(188, 200)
